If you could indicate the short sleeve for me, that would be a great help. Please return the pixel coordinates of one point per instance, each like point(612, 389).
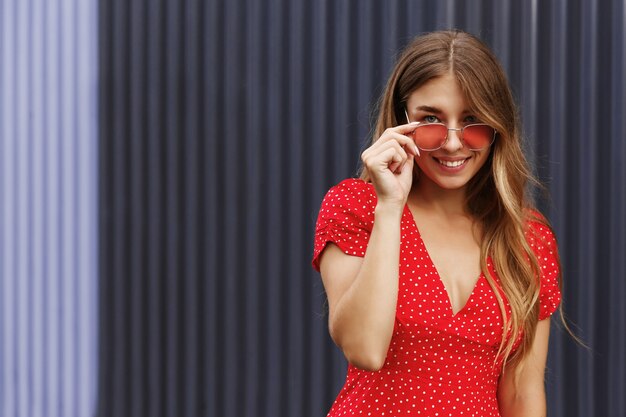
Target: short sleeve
point(346, 218)
point(543, 243)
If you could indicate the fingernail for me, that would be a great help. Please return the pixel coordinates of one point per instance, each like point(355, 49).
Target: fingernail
point(417, 151)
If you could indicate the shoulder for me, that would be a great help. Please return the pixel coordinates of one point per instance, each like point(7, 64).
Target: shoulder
point(353, 187)
point(351, 193)
point(539, 233)
point(542, 242)
point(345, 218)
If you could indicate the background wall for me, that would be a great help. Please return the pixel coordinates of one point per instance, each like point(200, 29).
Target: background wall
point(48, 208)
point(222, 125)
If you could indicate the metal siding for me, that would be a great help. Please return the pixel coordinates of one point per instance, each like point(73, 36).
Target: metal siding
point(223, 125)
point(48, 194)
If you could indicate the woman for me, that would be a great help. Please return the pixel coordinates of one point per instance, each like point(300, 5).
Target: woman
point(440, 274)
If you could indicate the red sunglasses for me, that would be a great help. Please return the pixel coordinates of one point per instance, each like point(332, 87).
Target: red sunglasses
point(432, 136)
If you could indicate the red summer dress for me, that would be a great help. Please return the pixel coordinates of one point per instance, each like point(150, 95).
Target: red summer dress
point(438, 363)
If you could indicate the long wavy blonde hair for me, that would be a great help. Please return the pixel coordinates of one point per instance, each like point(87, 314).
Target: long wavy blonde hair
point(497, 196)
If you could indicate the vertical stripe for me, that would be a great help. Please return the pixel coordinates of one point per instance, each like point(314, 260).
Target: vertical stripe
point(226, 122)
point(48, 232)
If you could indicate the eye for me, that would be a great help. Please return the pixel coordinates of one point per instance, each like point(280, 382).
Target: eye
point(431, 119)
point(471, 119)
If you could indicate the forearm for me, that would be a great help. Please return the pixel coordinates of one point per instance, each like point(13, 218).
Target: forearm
point(363, 320)
point(532, 404)
point(521, 389)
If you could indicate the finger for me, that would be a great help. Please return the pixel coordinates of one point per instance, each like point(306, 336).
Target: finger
point(399, 149)
point(407, 166)
point(395, 167)
point(400, 168)
point(398, 160)
point(374, 153)
point(405, 127)
point(412, 148)
point(381, 161)
point(395, 145)
point(405, 141)
point(408, 143)
point(389, 159)
point(407, 130)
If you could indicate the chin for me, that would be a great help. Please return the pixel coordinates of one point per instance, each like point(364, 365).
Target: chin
point(452, 185)
point(445, 183)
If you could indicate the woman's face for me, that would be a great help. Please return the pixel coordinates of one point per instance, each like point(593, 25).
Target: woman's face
point(450, 167)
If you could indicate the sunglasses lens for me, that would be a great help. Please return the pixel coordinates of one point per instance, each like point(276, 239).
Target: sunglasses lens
point(429, 137)
point(478, 136)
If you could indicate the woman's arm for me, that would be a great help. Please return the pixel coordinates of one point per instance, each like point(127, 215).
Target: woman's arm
point(522, 393)
point(362, 293)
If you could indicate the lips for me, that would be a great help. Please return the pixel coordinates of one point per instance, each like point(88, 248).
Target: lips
point(451, 163)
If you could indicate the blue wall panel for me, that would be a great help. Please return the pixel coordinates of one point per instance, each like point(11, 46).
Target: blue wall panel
point(48, 206)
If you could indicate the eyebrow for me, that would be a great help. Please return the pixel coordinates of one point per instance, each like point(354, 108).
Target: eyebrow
point(431, 109)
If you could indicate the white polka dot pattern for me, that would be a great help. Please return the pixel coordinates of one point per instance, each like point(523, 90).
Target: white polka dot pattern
point(438, 364)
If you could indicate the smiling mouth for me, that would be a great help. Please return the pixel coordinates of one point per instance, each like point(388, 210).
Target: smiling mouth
point(452, 164)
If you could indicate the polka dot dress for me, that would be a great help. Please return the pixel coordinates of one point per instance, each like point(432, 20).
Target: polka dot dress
point(438, 363)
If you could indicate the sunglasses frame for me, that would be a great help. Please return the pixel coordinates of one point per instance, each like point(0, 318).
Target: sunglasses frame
point(460, 130)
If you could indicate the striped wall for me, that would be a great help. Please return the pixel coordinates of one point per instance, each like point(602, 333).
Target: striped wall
point(161, 167)
point(48, 208)
point(226, 122)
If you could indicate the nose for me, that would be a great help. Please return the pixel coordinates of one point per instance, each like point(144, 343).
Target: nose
point(454, 142)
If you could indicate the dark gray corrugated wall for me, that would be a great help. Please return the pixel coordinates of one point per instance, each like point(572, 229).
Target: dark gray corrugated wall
point(222, 125)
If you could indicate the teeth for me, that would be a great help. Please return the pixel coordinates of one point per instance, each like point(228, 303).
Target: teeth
point(452, 164)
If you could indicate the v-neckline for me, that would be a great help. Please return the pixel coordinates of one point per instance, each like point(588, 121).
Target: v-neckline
point(438, 279)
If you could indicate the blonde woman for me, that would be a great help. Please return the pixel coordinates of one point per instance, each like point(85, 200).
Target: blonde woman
point(441, 276)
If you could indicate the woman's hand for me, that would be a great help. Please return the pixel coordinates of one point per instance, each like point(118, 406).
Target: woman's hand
point(389, 163)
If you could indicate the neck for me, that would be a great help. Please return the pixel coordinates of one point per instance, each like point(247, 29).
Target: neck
point(429, 196)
